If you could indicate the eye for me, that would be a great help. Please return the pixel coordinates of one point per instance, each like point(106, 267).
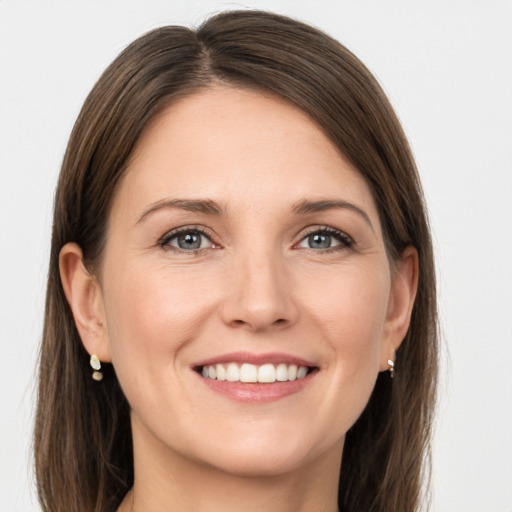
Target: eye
point(326, 238)
point(186, 239)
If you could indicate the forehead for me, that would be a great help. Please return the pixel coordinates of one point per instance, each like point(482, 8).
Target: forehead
point(241, 147)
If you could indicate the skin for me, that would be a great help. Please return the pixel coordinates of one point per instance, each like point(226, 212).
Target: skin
point(255, 285)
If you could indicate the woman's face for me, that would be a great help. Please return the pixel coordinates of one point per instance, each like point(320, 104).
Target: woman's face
point(243, 247)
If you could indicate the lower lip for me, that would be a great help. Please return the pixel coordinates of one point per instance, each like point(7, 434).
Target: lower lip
point(256, 392)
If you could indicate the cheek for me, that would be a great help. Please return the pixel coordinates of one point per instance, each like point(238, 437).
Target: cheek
point(351, 315)
point(350, 308)
point(147, 299)
point(151, 315)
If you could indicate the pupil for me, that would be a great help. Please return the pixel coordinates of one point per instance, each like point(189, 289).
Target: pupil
point(189, 241)
point(319, 241)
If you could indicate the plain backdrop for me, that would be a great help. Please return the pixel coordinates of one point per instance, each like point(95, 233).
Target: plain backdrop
point(447, 67)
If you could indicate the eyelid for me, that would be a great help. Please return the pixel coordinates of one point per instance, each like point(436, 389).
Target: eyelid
point(346, 240)
point(169, 235)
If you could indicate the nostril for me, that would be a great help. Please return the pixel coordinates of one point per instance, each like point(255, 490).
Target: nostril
point(279, 321)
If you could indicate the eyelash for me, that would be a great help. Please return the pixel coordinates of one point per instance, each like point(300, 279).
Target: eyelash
point(346, 242)
point(166, 239)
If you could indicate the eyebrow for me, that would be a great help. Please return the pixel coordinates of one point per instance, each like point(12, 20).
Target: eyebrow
point(304, 207)
point(209, 207)
point(206, 206)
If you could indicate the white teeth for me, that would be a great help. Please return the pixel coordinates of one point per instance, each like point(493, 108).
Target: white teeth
point(221, 372)
point(248, 373)
point(266, 373)
point(302, 372)
point(282, 372)
point(232, 373)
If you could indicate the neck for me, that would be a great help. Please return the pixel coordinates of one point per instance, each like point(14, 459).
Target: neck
point(166, 481)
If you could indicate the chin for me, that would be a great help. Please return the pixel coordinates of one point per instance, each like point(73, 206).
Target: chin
point(261, 464)
point(262, 455)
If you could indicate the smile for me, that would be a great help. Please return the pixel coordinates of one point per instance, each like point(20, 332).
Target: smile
point(256, 378)
point(266, 373)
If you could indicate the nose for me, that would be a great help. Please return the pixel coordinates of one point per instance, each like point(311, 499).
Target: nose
point(258, 294)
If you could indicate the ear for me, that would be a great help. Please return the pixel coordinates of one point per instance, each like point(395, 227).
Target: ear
point(85, 298)
point(404, 285)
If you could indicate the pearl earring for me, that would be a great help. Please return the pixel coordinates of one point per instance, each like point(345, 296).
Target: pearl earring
point(391, 368)
point(96, 366)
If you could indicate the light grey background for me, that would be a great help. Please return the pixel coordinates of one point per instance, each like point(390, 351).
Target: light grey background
point(447, 67)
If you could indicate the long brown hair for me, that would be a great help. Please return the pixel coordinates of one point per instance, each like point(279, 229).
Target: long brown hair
point(83, 449)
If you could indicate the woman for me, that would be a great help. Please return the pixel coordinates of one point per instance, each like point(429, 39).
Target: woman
point(241, 263)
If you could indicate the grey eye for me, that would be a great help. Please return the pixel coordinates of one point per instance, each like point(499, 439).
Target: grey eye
point(319, 241)
point(189, 241)
point(323, 239)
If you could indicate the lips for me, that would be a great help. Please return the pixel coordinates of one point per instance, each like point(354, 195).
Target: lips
point(256, 377)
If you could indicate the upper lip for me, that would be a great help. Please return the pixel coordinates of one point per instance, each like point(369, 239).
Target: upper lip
point(256, 359)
